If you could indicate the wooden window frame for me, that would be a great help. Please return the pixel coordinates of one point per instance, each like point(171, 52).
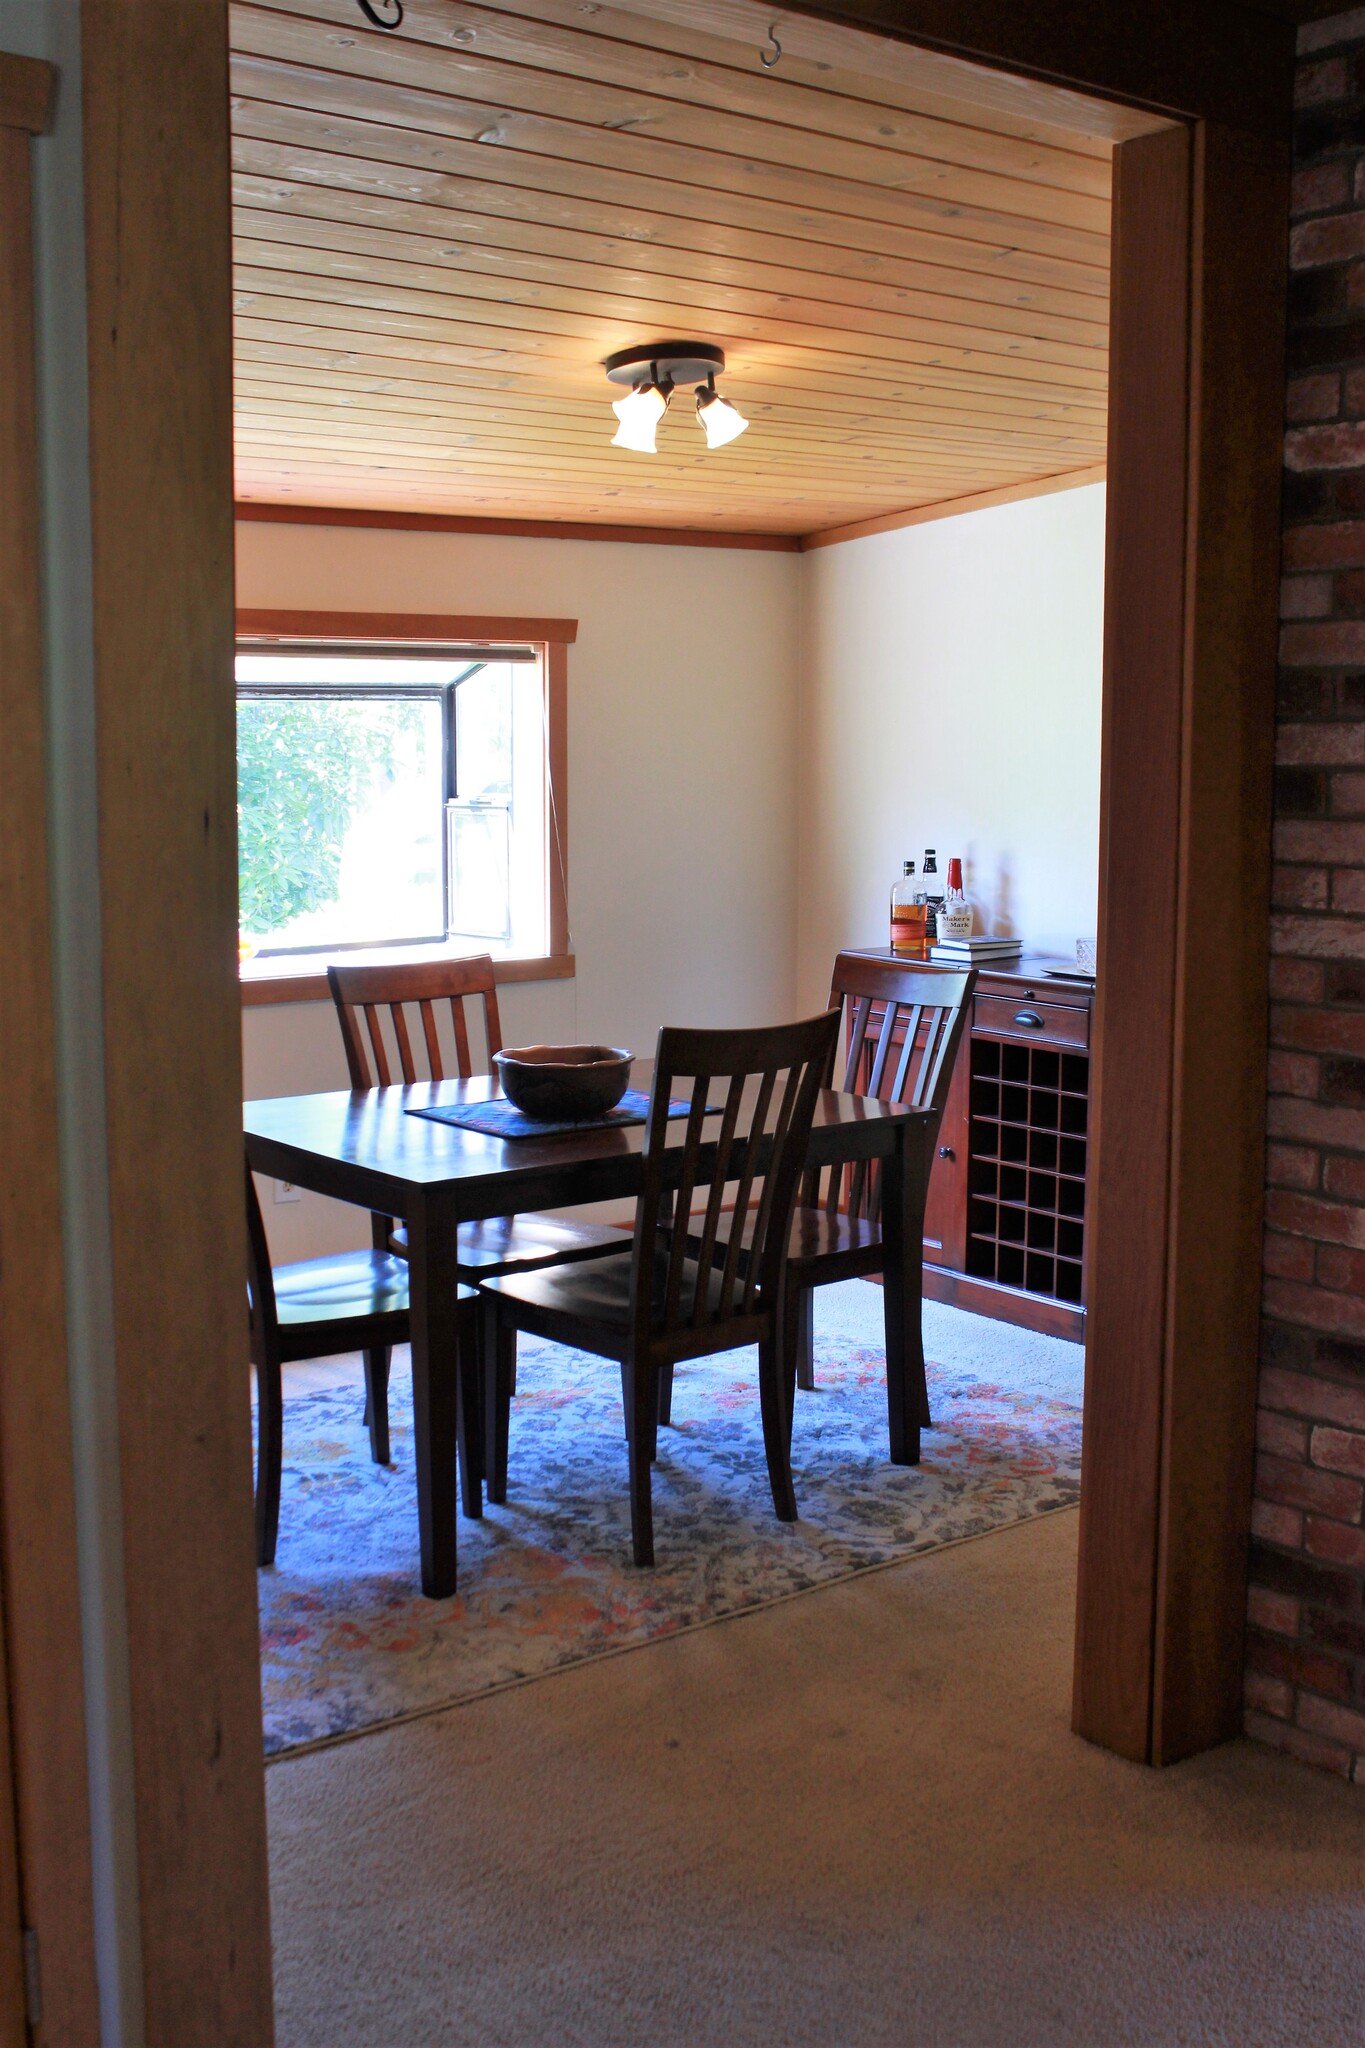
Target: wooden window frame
point(414, 631)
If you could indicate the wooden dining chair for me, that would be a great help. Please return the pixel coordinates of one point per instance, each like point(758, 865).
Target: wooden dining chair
point(657, 1303)
point(905, 1056)
point(353, 1301)
point(373, 1007)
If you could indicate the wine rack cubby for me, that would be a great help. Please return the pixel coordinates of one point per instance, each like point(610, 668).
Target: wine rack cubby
point(1028, 1136)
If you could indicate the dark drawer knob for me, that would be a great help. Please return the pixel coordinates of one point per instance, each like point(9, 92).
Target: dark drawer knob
point(1029, 1017)
point(946, 1152)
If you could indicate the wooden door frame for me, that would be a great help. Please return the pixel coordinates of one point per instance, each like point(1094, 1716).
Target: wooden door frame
point(155, 110)
point(1196, 406)
point(45, 1837)
point(1159, 1619)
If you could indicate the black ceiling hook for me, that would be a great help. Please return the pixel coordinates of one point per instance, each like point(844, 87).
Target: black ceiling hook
point(371, 13)
point(764, 59)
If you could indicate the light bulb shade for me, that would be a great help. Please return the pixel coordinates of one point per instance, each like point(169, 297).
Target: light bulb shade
point(719, 419)
point(639, 413)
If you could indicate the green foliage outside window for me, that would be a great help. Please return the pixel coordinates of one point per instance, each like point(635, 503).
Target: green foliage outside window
point(302, 770)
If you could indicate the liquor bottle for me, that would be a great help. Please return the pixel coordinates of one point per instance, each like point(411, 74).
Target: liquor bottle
point(955, 919)
point(932, 895)
point(909, 935)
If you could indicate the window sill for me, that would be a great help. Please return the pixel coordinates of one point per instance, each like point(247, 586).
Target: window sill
point(300, 981)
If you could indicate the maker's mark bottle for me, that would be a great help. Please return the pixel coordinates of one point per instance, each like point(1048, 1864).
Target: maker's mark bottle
point(955, 918)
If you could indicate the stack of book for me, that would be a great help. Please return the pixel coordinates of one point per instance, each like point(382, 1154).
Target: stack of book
point(974, 952)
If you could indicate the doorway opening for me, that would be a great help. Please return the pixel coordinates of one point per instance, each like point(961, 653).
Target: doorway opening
point(1182, 753)
point(905, 260)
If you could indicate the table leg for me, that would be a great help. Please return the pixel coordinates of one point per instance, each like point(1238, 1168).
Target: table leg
point(907, 1399)
point(434, 1292)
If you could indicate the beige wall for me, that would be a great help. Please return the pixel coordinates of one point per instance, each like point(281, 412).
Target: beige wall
point(951, 698)
point(682, 767)
point(742, 721)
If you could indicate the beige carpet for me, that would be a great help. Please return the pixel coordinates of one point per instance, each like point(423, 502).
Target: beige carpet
point(857, 1818)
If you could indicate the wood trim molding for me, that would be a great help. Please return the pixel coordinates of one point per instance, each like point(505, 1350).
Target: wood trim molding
point(14, 2004)
point(668, 536)
point(1176, 1197)
point(44, 1795)
point(949, 508)
point(1129, 1192)
point(514, 529)
point(27, 89)
point(1240, 269)
point(1210, 59)
point(311, 987)
point(157, 248)
point(557, 793)
point(1004, 1304)
point(424, 628)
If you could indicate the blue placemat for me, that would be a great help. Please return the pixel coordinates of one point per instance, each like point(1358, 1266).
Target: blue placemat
point(502, 1119)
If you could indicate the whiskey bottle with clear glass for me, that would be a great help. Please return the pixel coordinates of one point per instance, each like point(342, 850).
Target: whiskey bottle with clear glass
point(909, 918)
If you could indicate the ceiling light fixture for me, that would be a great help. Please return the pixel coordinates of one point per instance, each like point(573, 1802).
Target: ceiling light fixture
point(639, 413)
point(720, 422)
point(653, 373)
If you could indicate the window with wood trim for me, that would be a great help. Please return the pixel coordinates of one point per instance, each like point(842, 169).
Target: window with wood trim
point(396, 794)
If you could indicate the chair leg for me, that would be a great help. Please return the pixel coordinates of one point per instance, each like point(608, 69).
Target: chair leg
point(377, 1360)
point(499, 1347)
point(805, 1337)
point(654, 1416)
point(663, 1393)
point(269, 1458)
point(795, 1314)
point(641, 1378)
point(776, 1412)
point(469, 1414)
point(652, 1420)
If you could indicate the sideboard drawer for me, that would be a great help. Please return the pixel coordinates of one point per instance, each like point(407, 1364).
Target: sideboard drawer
point(1021, 1017)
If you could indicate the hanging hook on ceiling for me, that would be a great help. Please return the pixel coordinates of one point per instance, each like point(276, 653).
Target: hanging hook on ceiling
point(371, 13)
point(764, 59)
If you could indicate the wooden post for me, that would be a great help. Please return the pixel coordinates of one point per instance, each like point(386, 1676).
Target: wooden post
point(1130, 1167)
point(1195, 408)
point(1240, 231)
point(160, 333)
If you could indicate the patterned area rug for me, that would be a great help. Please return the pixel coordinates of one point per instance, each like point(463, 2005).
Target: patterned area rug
point(348, 1643)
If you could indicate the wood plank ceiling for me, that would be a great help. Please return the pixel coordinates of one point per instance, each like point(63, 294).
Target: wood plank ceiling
point(441, 231)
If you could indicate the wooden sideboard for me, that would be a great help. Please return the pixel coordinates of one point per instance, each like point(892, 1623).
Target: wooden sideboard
point(1004, 1229)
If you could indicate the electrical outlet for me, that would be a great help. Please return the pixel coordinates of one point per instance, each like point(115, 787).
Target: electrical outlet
point(285, 1191)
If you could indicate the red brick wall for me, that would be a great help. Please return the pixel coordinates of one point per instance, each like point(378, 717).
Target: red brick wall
point(1305, 1685)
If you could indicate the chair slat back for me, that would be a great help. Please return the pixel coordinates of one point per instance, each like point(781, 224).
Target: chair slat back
point(763, 1085)
point(905, 1054)
point(260, 1280)
point(373, 1005)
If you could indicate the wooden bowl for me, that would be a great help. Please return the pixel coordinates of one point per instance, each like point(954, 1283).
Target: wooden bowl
point(559, 1082)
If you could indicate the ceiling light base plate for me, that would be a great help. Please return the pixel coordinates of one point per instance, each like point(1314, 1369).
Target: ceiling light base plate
point(677, 362)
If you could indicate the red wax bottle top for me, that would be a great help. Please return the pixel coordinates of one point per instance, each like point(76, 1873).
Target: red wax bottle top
point(954, 871)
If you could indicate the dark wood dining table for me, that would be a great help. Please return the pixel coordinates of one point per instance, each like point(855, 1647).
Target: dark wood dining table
point(365, 1147)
